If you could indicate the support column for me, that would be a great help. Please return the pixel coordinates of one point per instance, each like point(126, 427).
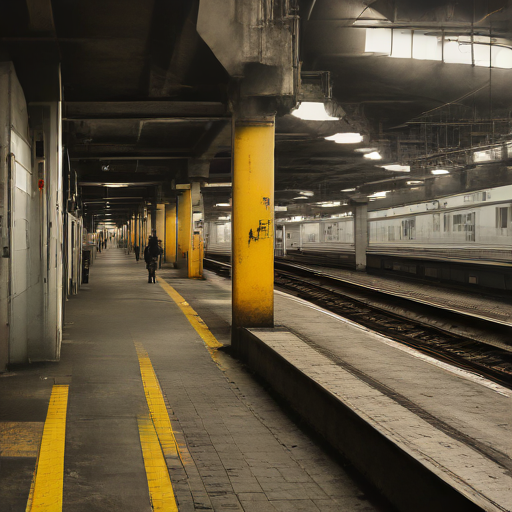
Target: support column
point(195, 254)
point(160, 223)
point(170, 233)
point(361, 234)
point(253, 224)
point(184, 229)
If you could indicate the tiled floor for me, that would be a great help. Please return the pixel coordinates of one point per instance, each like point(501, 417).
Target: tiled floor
point(239, 450)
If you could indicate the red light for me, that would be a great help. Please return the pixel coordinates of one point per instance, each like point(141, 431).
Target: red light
point(41, 184)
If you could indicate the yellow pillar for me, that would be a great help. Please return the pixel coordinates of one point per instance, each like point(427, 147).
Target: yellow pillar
point(160, 223)
point(170, 233)
point(253, 224)
point(195, 257)
point(184, 228)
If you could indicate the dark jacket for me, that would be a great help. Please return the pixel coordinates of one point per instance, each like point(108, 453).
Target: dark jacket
point(152, 250)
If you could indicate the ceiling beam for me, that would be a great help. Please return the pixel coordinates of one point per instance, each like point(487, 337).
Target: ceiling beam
point(143, 109)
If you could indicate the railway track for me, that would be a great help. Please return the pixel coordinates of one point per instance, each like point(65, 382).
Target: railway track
point(426, 327)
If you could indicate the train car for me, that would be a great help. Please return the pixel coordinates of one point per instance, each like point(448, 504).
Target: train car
point(463, 238)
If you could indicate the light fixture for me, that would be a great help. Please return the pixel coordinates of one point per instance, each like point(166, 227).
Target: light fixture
point(215, 185)
point(300, 197)
point(397, 168)
point(377, 195)
point(222, 205)
point(329, 204)
point(415, 182)
point(346, 138)
point(349, 190)
point(116, 185)
point(440, 171)
point(365, 150)
point(280, 208)
point(313, 111)
point(374, 155)
point(307, 193)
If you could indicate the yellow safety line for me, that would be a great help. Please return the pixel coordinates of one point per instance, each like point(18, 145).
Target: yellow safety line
point(159, 483)
point(31, 492)
point(47, 495)
point(156, 404)
point(195, 320)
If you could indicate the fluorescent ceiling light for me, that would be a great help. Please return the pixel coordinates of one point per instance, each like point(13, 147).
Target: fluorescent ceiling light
point(300, 197)
point(375, 195)
point(313, 111)
point(116, 185)
point(374, 155)
point(307, 193)
point(415, 182)
point(222, 205)
point(397, 168)
point(440, 171)
point(214, 185)
point(349, 190)
point(329, 204)
point(346, 138)
point(225, 218)
point(365, 150)
point(280, 208)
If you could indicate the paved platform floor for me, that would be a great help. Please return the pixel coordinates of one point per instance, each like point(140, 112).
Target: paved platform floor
point(233, 448)
point(461, 406)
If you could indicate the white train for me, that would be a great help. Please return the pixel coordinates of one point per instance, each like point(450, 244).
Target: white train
point(463, 238)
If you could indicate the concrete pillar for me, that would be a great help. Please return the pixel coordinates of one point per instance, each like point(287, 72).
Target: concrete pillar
point(170, 233)
point(361, 234)
point(160, 223)
point(184, 229)
point(253, 224)
point(196, 250)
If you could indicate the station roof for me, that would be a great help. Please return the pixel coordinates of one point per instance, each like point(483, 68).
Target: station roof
point(425, 84)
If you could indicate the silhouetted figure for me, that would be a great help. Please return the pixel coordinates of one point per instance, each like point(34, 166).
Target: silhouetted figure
point(151, 253)
point(136, 250)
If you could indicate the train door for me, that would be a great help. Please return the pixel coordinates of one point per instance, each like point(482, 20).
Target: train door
point(465, 222)
point(470, 227)
point(292, 238)
point(408, 229)
point(279, 241)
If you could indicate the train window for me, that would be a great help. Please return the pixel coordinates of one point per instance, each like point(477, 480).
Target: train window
point(409, 229)
point(502, 217)
point(391, 233)
point(311, 232)
point(436, 222)
point(331, 232)
point(465, 222)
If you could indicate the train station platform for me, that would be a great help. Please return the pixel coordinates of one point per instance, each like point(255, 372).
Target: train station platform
point(154, 416)
point(455, 424)
point(150, 387)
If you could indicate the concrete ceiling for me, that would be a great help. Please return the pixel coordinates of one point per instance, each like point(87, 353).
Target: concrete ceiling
point(145, 98)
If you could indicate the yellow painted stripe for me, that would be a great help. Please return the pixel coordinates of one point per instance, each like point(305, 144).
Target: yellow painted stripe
point(156, 404)
point(48, 483)
point(195, 320)
point(159, 483)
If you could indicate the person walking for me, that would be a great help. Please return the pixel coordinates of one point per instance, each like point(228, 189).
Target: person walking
point(151, 253)
point(136, 250)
